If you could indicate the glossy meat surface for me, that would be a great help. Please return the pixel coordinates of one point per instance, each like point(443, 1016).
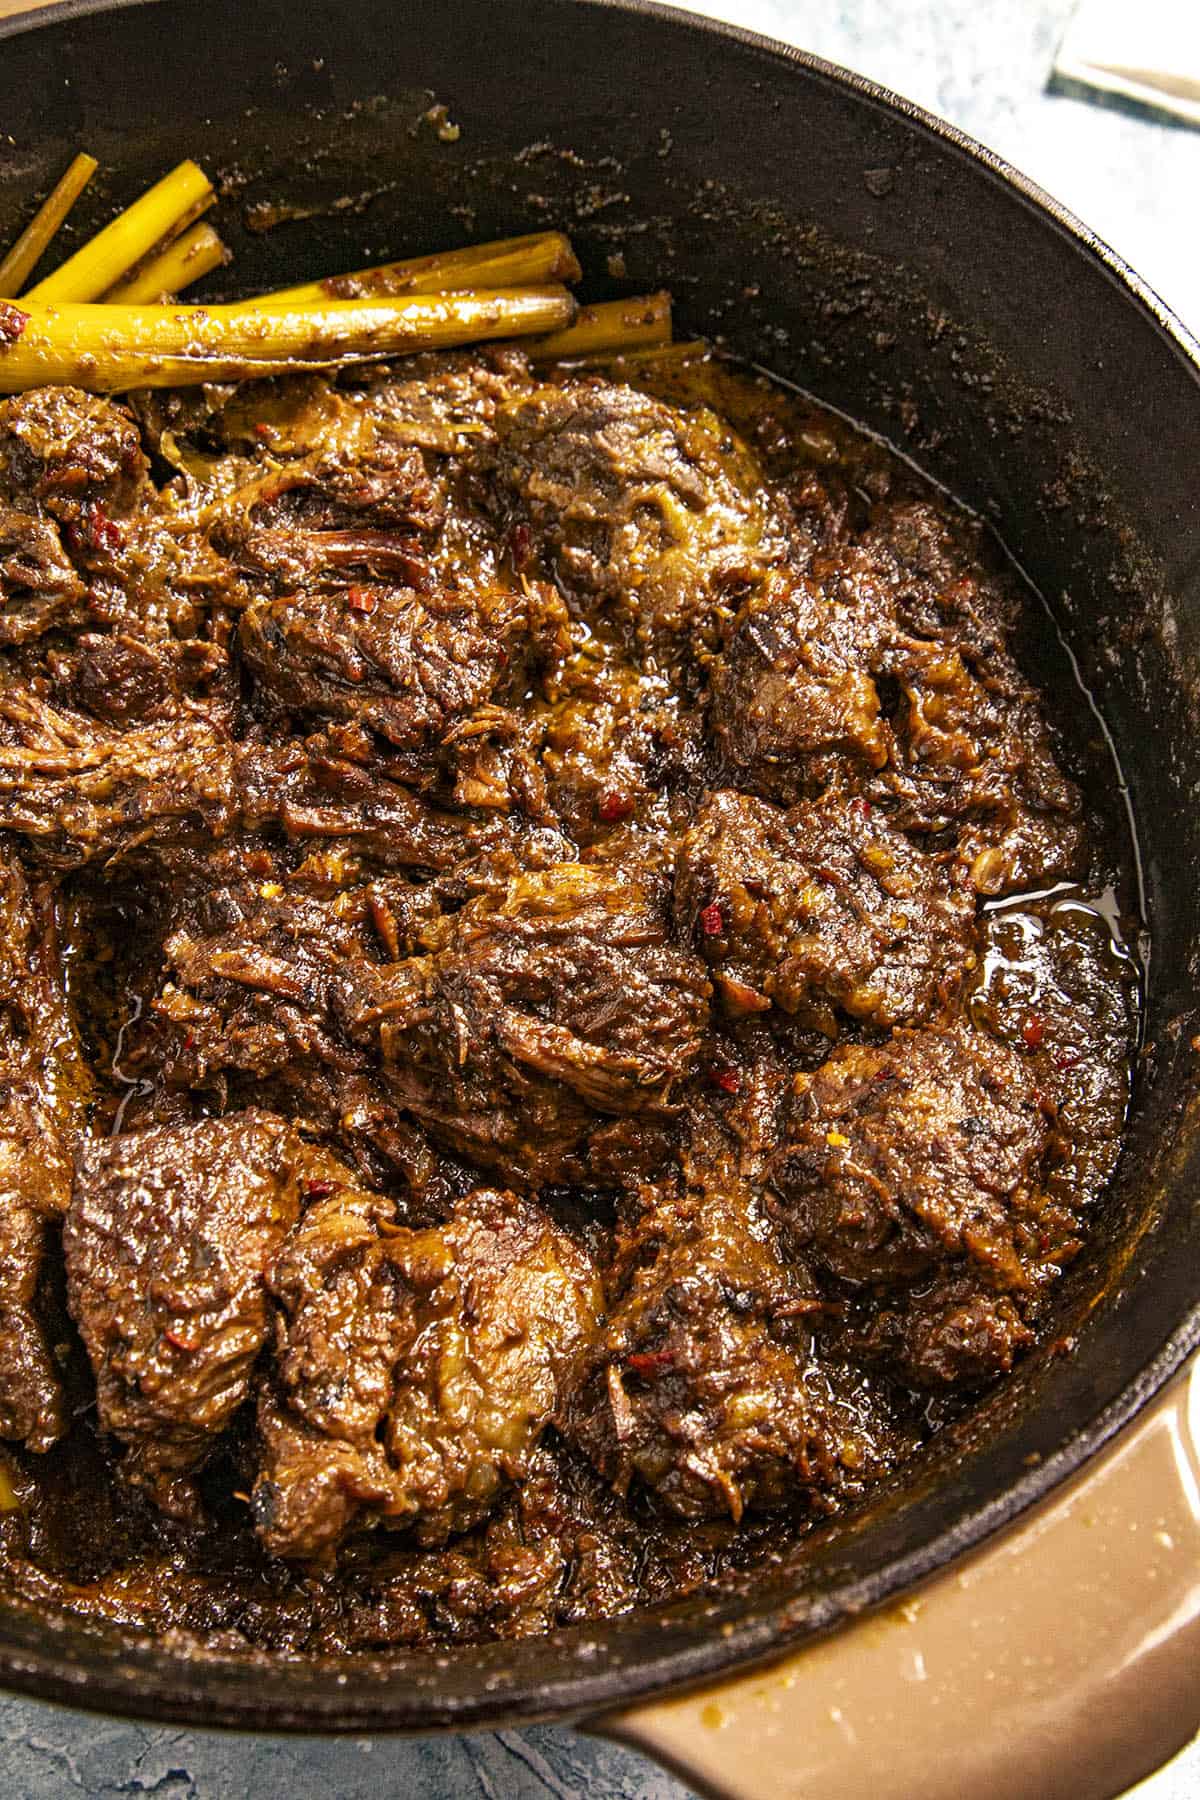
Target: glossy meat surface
point(563, 994)
point(642, 514)
point(167, 1242)
point(824, 911)
point(558, 1002)
point(416, 1369)
point(704, 1387)
point(39, 1066)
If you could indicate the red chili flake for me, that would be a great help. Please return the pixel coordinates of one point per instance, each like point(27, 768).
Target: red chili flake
point(104, 532)
point(318, 1190)
point(725, 1079)
point(189, 1040)
point(615, 805)
point(12, 323)
point(94, 530)
point(263, 430)
point(361, 600)
point(1064, 1063)
point(180, 1343)
point(1033, 1031)
point(712, 920)
point(648, 1362)
point(520, 540)
point(864, 808)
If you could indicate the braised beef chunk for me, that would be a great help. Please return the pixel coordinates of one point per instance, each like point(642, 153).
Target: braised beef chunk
point(325, 790)
point(618, 746)
point(940, 579)
point(318, 483)
point(403, 664)
point(902, 1155)
point(121, 680)
point(75, 792)
point(324, 514)
point(254, 949)
point(40, 589)
point(78, 792)
point(702, 1385)
point(69, 452)
point(961, 750)
point(624, 785)
point(415, 1369)
point(825, 911)
point(921, 1168)
point(168, 1239)
point(252, 964)
point(408, 665)
point(346, 1320)
point(1054, 982)
point(794, 705)
point(43, 1087)
point(319, 487)
point(954, 1334)
point(642, 513)
point(87, 542)
point(538, 1009)
point(972, 755)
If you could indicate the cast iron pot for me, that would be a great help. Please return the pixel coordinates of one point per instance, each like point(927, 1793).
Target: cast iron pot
point(867, 252)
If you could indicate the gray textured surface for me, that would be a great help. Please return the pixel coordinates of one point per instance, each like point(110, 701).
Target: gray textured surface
point(48, 1753)
point(1131, 178)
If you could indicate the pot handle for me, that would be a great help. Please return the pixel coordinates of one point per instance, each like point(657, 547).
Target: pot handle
point(1059, 1662)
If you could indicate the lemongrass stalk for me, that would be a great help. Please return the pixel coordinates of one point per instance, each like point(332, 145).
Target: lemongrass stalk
point(108, 349)
point(34, 241)
point(680, 351)
point(531, 261)
point(186, 258)
point(613, 326)
point(162, 212)
point(650, 357)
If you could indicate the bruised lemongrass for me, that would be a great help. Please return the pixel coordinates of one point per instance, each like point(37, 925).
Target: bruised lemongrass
point(679, 351)
point(649, 356)
point(109, 349)
point(34, 241)
point(543, 256)
point(186, 258)
point(614, 326)
point(161, 213)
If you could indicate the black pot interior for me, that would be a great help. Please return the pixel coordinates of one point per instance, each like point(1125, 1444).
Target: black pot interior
point(860, 251)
